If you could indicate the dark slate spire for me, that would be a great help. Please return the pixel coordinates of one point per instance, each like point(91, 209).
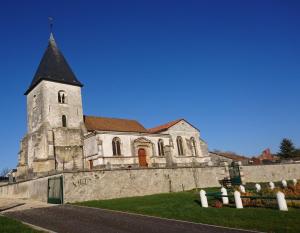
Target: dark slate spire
point(53, 67)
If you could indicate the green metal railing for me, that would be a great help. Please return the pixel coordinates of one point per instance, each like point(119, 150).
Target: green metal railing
point(219, 195)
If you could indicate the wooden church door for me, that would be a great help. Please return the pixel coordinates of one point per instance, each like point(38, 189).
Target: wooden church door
point(142, 157)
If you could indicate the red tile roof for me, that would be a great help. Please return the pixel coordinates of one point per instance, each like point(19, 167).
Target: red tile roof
point(232, 156)
point(113, 124)
point(164, 127)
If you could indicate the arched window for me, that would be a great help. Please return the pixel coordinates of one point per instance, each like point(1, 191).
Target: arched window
point(179, 145)
point(62, 97)
point(193, 145)
point(160, 145)
point(116, 146)
point(64, 121)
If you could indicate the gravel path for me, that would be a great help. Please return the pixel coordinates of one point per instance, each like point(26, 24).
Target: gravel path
point(74, 219)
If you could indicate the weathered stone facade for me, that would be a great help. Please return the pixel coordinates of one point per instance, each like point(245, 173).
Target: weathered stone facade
point(49, 146)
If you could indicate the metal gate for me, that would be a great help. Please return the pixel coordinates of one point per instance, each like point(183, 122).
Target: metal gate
point(55, 190)
point(235, 175)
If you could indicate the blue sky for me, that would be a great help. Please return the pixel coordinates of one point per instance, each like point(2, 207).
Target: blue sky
point(231, 68)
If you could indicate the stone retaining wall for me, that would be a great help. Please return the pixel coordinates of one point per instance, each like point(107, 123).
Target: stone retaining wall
point(35, 189)
point(267, 173)
point(107, 184)
point(94, 185)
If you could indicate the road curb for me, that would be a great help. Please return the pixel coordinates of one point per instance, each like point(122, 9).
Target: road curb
point(31, 225)
point(38, 228)
point(11, 207)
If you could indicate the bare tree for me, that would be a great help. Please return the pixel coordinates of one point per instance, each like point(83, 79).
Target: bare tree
point(4, 171)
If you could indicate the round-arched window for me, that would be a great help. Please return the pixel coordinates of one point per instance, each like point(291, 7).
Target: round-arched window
point(116, 146)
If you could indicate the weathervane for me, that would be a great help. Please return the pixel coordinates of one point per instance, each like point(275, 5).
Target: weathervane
point(50, 23)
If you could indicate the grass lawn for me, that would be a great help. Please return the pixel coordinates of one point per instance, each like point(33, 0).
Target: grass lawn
point(185, 206)
point(8, 225)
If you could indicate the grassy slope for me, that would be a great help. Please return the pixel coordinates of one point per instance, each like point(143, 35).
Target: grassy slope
point(8, 225)
point(185, 206)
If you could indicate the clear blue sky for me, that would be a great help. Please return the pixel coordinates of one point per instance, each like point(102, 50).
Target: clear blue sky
point(231, 68)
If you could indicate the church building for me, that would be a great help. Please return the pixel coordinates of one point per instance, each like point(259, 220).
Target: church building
point(60, 138)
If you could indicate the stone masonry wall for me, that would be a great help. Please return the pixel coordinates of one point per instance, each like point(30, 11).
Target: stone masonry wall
point(36, 189)
point(267, 173)
point(107, 184)
point(83, 186)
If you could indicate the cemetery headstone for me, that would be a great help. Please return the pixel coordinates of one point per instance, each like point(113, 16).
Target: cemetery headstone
point(203, 199)
point(225, 200)
point(281, 201)
point(238, 200)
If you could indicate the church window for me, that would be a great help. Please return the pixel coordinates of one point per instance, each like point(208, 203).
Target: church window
point(116, 146)
point(193, 145)
point(64, 121)
point(62, 97)
point(160, 145)
point(179, 145)
point(91, 164)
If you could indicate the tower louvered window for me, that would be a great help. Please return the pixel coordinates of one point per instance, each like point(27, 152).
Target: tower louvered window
point(62, 97)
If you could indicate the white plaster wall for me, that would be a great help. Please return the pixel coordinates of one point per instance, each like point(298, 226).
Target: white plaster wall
point(105, 153)
point(105, 150)
point(186, 131)
point(126, 140)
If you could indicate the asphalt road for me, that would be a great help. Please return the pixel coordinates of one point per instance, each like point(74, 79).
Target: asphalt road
point(74, 219)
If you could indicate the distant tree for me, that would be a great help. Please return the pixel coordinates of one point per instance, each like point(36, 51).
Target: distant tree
point(297, 152)
point(287, 149)
point(4, 171)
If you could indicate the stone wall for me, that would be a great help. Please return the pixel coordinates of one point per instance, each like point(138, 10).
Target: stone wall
point(108, 184)
point(36, 189)
point(267, 173)
point(82, 186)
point(217, 159)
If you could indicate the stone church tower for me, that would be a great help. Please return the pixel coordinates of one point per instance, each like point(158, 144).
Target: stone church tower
point(55, 125)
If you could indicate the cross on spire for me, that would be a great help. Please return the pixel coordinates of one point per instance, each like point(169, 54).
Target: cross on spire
point(50, 23)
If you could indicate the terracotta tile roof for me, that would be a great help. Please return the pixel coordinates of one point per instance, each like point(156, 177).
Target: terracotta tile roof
point(113, 124)
point(232, 156)
point(164, 127)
